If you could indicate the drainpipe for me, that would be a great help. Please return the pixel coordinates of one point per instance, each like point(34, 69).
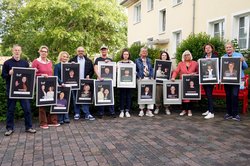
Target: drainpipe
point(193, 21)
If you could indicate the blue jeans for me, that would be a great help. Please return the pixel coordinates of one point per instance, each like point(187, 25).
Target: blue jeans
point(101, 110)
point(232, 92)
point(63, 117)
point(77, 107)
point(125, 96)
point(11, 106)
point(209, 91)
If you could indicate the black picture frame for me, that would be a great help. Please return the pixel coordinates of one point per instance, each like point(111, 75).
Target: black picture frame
point(162, 70)
point(100, 88)
point(70, 74)
point(146, 91)
point(230, 70)
point(22, 83)
point(86, 92)
point(172, 92)
point(208, 71)
point(63, 101)
point(46, 90)
point(191, 87)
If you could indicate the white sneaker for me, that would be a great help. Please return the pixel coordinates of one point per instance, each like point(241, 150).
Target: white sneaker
point(205, 113)
point(121, 114)
point(190, 113)
point(209, 116)
point(167, 111)
point(127, 114)
point(183, 113)
point(141, 113)
point(149, 113)
point(156, 111)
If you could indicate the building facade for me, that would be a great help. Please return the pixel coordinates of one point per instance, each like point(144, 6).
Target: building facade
point(165, 23)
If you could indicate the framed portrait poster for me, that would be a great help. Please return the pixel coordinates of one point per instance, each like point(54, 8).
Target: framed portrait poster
point(146, 91)
point(172, 92)
point(46, 89)
point(85, 94)
point(71, 75)
point(22, 83)
point(107, 71)
point(162, 70)
point(208, 71)
point(191, 87)
point(126, 77)
point(230, 71)
point(103, 92)
point(63, 101)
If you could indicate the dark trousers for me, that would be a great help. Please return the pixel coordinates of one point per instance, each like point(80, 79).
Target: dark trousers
point(187, 106)
point(101, 110)
point(25, 104)
point(125, 96)
point(232, 92)
point(209, 91)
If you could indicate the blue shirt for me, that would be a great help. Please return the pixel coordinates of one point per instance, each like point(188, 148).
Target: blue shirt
point(244, 64)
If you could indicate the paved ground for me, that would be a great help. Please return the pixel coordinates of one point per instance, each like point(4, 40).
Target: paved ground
point(161, 140)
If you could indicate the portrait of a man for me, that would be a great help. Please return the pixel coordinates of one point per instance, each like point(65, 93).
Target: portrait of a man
point(106, 72)
point(230, 72)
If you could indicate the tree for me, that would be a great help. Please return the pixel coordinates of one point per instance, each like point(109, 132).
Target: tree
point(195, 42)
point(62, 25)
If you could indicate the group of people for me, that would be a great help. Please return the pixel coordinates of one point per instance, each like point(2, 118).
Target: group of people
point(144, 70)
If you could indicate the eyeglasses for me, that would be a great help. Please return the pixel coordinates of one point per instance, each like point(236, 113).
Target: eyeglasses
point(80, 51)
point(44, 51)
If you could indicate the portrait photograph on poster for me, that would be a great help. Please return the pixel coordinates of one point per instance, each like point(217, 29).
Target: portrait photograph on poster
point(46, 90)
point(208, 71)
point(146, 91)
point(172, 92)
point(190, 87)
point(162, 70)
point(71, 75)
point(85, 94)
point(107, 71)
point(103, 92)
point(63, 101)
point(230, 71)
point(125, 75)
point(22, 83)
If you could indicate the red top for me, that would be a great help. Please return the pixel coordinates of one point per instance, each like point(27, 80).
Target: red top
point(43, 67)
point(182, 69)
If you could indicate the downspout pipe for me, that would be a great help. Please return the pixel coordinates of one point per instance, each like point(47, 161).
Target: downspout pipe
point(193, 21)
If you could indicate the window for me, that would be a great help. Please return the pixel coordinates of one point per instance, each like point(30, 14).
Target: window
point(162, 20)
point(216, 28)
point(244, 30)
point(150, 42)
point(137, 43)
point(137, 13)
point(176, 39)
point(176, 2)
point(150, 5)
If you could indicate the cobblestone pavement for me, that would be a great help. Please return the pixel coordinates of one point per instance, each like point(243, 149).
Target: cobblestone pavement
point(160, 140)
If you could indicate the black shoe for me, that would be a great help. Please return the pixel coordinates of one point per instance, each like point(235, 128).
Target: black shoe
point(9, 132)
point(236, 118)
point(33, 131)
point(227, 116)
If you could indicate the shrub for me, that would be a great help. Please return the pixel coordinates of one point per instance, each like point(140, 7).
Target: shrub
point(195, 42)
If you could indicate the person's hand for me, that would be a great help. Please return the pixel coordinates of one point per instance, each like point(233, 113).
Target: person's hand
point(63, 85)
point(73, 62)
point(242, 59)
point(173, 79)
point(45, 75)
point(11, 72)
point(16, 83)
point(100, 78)
point(107, 60)
point(87, 77)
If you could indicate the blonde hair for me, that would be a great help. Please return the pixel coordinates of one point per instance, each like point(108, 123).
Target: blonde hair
point(43, 46)
point(61, 54)
point(186, 53)
point(229, 43)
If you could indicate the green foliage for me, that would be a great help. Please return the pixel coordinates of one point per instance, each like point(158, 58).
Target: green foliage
point(62, 25)
point(195, 42)
point(3, 99)
point(153, 53)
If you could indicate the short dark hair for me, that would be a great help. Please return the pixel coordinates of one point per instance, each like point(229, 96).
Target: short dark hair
point(162, 52)
point(125, 50)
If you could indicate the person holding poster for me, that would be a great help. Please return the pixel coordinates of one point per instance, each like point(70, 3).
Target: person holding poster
point(7, 71)
point(186, 66)
point(86, 71)
point(232, 91)
point(144, 70)
point(159, 88)
point(104, 57)
point(44, 67)
point(209, 53)
point(63, 57)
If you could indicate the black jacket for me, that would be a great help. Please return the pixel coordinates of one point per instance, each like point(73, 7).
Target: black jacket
point(89, 69)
